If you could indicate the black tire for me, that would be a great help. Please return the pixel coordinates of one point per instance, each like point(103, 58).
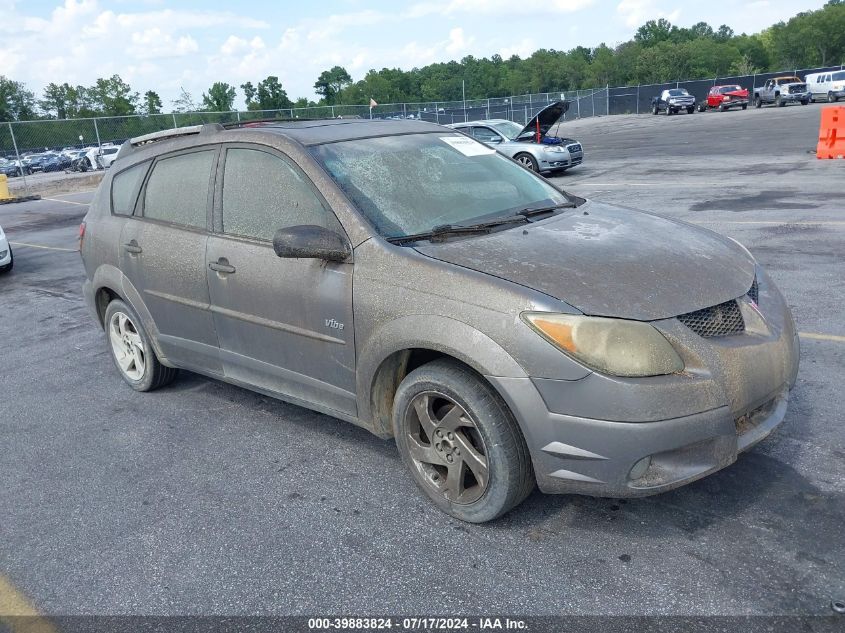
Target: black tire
point(668, 111)
point(831, 98)
point(7, 267)
point(744, 106)
point(655, 109)
point(722, 108)
point(779, 102)
point(510, 475)
point(527, 161)
point(691, 110)
point(702, 107)
point(155, 375)
point(758, 102)
point(805, 101)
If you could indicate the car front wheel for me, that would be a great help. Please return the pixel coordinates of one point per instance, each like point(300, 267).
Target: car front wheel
point(131, 350)
point(758, 103)
point(655, 109)
point(527, 161)
point(460, 442)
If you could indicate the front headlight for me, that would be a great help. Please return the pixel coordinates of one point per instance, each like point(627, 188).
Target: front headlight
point(554, 148)
point(612, 346)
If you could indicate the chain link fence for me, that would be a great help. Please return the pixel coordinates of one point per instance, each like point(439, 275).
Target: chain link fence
point(22, 142)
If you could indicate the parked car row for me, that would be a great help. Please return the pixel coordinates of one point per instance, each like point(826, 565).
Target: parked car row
point(69, 159)
point(778, 91)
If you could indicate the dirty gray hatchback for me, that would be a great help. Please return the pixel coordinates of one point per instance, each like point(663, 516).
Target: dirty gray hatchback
point(415, 282)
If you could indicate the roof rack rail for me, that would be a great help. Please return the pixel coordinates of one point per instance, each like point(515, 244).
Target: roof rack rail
point(176, 132)
point(259, 122)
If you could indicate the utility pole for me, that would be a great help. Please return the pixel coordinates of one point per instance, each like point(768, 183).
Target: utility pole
point(464, 93)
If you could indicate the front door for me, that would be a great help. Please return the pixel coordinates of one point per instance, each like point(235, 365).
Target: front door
point(284, 325)
point(163, 255)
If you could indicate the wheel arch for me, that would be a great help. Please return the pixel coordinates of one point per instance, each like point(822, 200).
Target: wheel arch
point(410, 342)
point(109, 283)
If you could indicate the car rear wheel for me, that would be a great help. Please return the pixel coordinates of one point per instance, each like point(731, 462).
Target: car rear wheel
point(460, 442)
point(527, 161)
point(758, 103)
point(722, 107)
point(779, 102)
point(805, 101)
point(7, 267)
point(702, 107)
point(744, 106)
point(668, 111)
point(131, 350)
point(831, 98)
point(655, 109)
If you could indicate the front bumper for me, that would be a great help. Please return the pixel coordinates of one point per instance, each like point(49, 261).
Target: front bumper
point(795, 96)
point(5, 251)
point(585, 436)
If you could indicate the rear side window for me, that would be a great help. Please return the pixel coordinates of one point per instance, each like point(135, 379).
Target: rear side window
point(262, 193)
point(124, 189)
point(177, 190)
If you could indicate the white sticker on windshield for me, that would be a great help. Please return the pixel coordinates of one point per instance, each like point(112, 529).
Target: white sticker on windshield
point(467, 146)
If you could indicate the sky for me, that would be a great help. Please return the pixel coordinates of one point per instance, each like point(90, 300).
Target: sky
point(164, 45)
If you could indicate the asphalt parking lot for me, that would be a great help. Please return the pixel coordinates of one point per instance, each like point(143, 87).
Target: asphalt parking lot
point(204, 498)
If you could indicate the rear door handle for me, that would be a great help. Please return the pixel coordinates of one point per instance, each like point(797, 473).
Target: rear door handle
point(132, 247)
point(222, 266)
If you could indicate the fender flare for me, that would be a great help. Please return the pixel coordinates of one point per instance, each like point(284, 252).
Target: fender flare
point(422, 331)
point(112, 278)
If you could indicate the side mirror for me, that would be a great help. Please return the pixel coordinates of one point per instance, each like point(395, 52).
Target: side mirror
point(310, 241)
point(494, 140)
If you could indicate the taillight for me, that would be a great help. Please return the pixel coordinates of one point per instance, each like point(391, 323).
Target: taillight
point(81, 234)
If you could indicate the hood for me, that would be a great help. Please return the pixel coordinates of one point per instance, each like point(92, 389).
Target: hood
point(611, 262)
point(742, 92)
point(547, 117)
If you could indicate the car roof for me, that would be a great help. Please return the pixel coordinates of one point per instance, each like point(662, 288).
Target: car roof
point(479, 122)
point(335, 130)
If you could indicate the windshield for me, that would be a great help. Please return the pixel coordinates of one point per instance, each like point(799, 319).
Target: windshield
point(412, 183)
point(507, 128)
point(675, 92)
point(787, 80)
point(725, 89)
point(838, 76)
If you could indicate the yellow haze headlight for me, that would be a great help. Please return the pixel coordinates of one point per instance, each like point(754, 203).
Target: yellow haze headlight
point(612, 346)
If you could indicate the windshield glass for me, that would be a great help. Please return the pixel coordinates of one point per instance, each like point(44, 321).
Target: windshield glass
point(725, 89)
point(412, 183)
point(788, 80)
point(675, 92)
point(838, 76)
point(507, 128)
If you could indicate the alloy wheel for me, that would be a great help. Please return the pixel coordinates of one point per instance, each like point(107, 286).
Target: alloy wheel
point(446, 448)
point(127, 346)
point(525, 161)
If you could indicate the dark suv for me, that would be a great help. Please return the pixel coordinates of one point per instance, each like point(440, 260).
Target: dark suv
point(411, 280)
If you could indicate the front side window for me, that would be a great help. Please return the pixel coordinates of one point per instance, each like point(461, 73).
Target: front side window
point(485, 134)
point(124, 188)
point(177, 190)
point(411, 183)
point(262, 193)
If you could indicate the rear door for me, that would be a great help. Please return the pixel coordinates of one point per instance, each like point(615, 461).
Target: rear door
point(285, 325)
point(163, 255)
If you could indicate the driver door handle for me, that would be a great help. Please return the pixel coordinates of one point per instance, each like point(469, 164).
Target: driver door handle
point(132, 247)
point(222, 266)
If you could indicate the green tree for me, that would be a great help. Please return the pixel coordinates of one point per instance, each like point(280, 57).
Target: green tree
point(653, 32)
point(185, 102)
point(330, 83)
point(249, 94)
point(16, 102)
point(219, 98)
point(152, 102)
point(271, 95)
point(113, 97)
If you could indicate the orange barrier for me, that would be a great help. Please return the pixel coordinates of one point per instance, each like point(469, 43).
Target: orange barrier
point(832, 133)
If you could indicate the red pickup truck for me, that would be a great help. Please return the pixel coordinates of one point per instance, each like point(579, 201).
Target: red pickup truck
point(724, 97)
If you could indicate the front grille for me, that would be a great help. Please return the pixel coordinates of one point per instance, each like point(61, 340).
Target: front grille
point(724, 319)
point(797, 88)
point(574, 148)
point(754, 291)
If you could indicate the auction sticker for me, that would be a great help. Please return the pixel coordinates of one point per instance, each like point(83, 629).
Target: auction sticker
point(467, 146)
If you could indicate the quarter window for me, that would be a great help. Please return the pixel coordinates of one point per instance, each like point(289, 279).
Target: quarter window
point(124, 188)
point(263, 193)
point(177, 190)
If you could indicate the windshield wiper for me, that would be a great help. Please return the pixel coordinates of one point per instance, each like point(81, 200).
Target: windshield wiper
point(532, 211)
point(443, 230)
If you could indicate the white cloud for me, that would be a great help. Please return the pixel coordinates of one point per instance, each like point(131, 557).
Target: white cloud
point(496, 7)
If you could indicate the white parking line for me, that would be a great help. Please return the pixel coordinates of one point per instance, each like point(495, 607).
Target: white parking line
point(822, 337)
point(49, 248)
point(81, 204)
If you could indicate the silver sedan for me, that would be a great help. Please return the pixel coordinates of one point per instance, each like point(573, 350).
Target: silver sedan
point(520, 143)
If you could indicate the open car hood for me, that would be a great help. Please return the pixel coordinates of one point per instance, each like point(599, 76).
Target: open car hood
point(547, 117)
